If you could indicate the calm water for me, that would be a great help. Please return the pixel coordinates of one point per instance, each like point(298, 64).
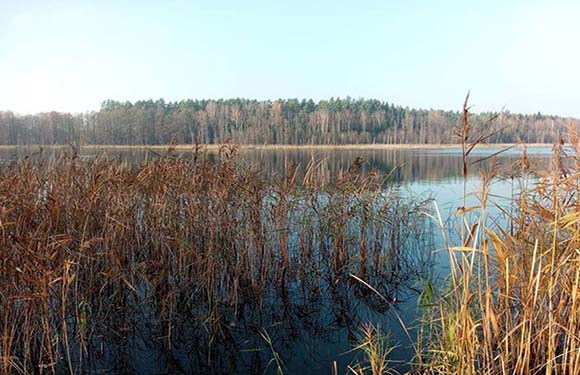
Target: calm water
point(433, 166)
point(316, 322)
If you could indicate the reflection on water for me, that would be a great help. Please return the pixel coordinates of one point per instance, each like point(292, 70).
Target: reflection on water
point(306, 307)
point(402, 166)
point(313, 316)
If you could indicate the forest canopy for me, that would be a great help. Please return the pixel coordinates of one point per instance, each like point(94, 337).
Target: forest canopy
point(288, 121)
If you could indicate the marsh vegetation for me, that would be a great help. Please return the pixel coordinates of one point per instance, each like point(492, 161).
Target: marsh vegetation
point(512, 301)
point(189, 264)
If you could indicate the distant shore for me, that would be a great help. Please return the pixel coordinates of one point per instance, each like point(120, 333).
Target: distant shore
point(248, 147)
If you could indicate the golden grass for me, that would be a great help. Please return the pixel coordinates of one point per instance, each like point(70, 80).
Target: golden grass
point(377, 349)
point(96, 252)
point(513, 302)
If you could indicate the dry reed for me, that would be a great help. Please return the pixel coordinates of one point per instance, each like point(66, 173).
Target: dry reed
point(513, 304)
point(100, 258)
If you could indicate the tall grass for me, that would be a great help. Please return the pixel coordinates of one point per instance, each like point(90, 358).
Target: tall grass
point(513, 301)
point(100, 259)
point(377, 349)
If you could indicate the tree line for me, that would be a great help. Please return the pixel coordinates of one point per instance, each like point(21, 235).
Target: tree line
point(245, 121)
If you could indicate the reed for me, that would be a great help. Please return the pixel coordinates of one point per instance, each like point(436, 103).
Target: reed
point(511, 304)
point(100, 258)
point(377, 348)
point(513, 301)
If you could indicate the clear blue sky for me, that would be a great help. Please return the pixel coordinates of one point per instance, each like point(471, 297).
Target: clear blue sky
point(71, 55)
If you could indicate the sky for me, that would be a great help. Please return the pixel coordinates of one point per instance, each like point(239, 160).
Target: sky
point(520, 56)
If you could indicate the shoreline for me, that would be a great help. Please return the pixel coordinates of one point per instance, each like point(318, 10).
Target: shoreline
point(249, 147)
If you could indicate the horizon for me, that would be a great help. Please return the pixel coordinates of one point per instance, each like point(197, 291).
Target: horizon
point(69, 56)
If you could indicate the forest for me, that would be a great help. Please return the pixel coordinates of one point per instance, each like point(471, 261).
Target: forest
point(289, 121)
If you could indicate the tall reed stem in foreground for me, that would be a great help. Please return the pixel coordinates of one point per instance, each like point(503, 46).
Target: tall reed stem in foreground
point(514, 305)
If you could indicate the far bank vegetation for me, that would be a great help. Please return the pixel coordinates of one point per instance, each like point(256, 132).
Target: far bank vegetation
point(252, 122)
